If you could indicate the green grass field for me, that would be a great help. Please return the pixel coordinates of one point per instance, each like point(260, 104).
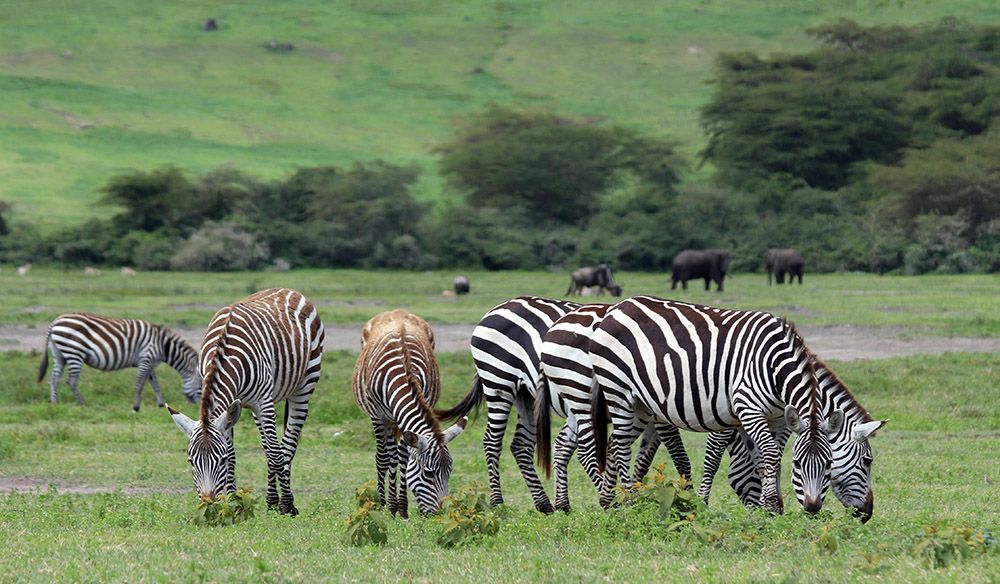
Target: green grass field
point(94, 89)
point(935, 460)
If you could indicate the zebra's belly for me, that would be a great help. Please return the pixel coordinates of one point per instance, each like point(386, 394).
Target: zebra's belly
point(710, 412)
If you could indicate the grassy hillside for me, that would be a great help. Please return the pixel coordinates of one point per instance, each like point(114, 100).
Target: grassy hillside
point(92, 89)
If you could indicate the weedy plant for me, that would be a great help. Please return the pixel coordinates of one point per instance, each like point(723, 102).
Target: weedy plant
point(467, 517)
point(367, 525)
point(677, 502)
point(941, 545)
point(228, 509)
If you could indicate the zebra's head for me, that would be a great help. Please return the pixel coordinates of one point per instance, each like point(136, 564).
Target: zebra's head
point(428, 466)
point(812, 455)
point(210, 449)
point(851, 469)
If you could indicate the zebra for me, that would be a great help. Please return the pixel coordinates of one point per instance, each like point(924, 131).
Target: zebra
point(258, 351)
point(566, 385)
point(505, 348)
point(850, 472)
point(396, 382)
point(110, 344)
point(708, 369)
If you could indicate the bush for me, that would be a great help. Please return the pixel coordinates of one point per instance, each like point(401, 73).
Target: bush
point(941, 545)
point(940, 245)
point(228, 509)
point(367, 525)
point(220, 247)
point(467, 517)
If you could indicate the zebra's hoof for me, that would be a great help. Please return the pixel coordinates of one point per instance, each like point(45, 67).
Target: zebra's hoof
point(564, 508)
point(135, 410)
point(403, 513)
point(288, 510)
point(545, 508)
point(496, 501)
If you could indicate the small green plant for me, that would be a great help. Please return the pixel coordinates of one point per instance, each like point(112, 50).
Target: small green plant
point(367, 525)
point(827, 542)
point(941, 545)
point(467, 517)
point(676, 502)
point(228, 509)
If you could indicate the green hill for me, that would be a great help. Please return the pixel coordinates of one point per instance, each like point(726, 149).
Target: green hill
point(92, 89)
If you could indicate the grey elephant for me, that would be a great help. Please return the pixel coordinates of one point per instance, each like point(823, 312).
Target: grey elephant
point(708, 264)
point(599, 276)
point(784, 261)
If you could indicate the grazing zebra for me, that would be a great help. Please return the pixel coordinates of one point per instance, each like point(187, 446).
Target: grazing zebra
point(850, 472)
point(396, 382)
point(708, 369)
point(263, 349)
point(506, 346)
point(110, 344)
point(567, 379)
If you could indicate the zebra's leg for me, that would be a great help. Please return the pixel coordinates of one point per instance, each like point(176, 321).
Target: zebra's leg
point(73, 379)
point(266, 424)
point(670, 437)
point(392, 456)
point(647, 452)
point(58, 362)
point(402, 501)
point(498, 404)
point(755, 424)
point(715, 447)
point(231, 469)
point(145, 372)
point(564, 446)
point(296, 412)
point(744, 474)
point(780, 439)
point(523, 448)
point(381, 458)
point(624, 432)
point(156, 387)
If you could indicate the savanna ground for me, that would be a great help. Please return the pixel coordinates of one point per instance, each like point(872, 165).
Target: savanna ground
point(109, 495)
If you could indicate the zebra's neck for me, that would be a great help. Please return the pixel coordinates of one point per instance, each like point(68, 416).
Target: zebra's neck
point(176, 352)
point(836, 395)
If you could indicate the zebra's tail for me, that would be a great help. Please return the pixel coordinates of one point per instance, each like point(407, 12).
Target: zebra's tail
point(543, 427)
point(599, 417)
point(44, 366)
point(470, 402)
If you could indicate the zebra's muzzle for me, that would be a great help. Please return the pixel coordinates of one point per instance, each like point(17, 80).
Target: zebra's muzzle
point(207, 497)
point(864, 512)
point(812, 504)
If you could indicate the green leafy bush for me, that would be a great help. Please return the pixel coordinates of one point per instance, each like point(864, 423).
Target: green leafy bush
point(228, 509)
point(941, 545)
point(367, 525)
point(677, 504)
point(467, 517)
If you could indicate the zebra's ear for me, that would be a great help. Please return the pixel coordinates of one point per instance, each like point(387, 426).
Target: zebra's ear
point(183, 422)
point(228, 419)
point(793, 420)
point(834, 423)
point(455, 429)
point(864, 431)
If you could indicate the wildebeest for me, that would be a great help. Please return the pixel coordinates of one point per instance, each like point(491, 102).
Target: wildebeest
point(460, 284)
point(210, 25)
point(599, 276)
point(709, 264)
point(784, 261)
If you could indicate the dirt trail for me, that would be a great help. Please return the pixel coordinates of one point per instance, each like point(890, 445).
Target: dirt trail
point(834, 343)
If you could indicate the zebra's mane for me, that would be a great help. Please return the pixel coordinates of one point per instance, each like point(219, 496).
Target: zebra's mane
point(413, 382)
point(842, 390)
point(211, 370)
point(815, 404)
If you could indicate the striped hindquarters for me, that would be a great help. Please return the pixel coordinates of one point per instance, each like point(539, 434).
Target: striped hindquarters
point(108, 344)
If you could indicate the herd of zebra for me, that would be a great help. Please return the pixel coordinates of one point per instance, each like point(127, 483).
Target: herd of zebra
point(645, 367)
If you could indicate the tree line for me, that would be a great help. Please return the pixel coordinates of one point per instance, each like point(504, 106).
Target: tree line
point(876, 151)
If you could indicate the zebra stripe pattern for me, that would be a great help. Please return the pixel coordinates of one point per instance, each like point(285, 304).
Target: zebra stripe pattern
point(396, 382)
point(568, 378)
point(506, 347)
point(709, 369)
point(110, 344)
point(257, 352)
point(850, 471)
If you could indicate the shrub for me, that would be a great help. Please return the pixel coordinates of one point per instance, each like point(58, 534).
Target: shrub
point(220, 247)
point(367, 525)
point(467, 517)
point(941, 545)
point(228, 509)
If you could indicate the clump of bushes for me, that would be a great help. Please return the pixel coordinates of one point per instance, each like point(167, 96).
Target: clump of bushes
point(467, 517)
point(367, 525)
point(677, 504)
point(228, 509)
point(941, 545)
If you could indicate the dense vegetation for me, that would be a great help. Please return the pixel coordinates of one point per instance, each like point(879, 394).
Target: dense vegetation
point(875, 151)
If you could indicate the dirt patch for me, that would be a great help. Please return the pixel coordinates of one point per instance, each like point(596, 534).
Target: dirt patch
point(834, 343)
point(39, 485)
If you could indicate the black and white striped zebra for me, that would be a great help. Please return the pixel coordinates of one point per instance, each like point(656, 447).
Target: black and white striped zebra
point(850, 472)
point(396, 381)
point(506, 346)
point(567, 380)
point(257, 352)
point(709, 369)
point(110, 344)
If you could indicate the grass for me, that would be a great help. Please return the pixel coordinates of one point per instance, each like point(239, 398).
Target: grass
point(932, 465)
point(938, 305)
point(92, 90)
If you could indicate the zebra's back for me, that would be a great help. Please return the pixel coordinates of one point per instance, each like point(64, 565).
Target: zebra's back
point(103, 343)
point(565, 357)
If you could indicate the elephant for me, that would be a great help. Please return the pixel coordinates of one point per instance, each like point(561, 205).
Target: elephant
point(691, 264)
point(599, 276)
point(461, 285)
point(784, 261)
